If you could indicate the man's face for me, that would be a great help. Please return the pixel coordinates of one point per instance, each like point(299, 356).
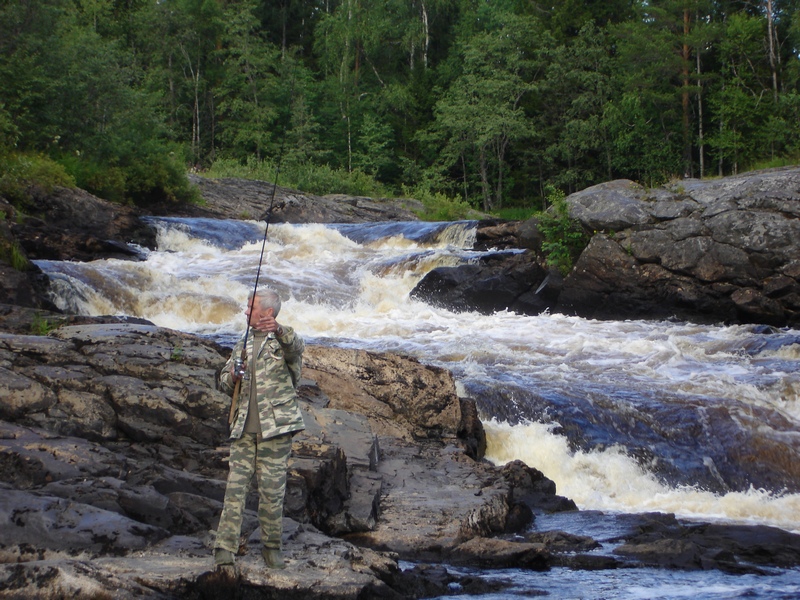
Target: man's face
point(254, 312)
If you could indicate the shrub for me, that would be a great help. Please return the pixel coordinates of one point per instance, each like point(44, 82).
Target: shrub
point(305, 176)
point(516, 213)
point(20, 172)
point(41, 325)
point(439, 206)
point(142, 180)
point(564, 239)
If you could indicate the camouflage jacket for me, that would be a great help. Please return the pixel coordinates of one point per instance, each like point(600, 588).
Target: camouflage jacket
point(278, 366)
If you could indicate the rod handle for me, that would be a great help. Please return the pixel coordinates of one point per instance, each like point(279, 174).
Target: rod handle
point(234, 401)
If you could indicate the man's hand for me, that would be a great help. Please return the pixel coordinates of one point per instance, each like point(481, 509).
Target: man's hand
point(267, 324)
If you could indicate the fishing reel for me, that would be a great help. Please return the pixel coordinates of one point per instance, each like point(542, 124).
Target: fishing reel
point(239, 368)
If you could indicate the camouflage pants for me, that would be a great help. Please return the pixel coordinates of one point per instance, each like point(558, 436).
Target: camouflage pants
point(267, 458)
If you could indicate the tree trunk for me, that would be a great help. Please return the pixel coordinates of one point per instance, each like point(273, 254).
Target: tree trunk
point(700, 136)
point(487, 195)
point(195, 75)
point(502, 145)
point(426, 29)
point(686, 55)
point(773, 62)
point(464, 172)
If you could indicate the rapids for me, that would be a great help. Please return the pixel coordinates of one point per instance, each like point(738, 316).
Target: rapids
point(701, 421)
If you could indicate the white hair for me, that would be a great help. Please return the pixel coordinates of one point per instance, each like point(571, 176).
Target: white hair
point(267, 298)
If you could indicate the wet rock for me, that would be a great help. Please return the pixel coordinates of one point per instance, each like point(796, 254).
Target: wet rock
point(496, 282)
point(497, 234)
point(662, 540)
point(498, 553)
point(530, 487)
point(383, 471)
point(562, 542)
point(704, 251)
point(428, 581)
point(470, 430)
point(76, 225)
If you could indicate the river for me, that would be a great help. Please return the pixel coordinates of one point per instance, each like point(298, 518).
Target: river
point(625, 416)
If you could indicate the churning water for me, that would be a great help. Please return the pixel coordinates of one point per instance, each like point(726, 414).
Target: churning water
point(625, 416)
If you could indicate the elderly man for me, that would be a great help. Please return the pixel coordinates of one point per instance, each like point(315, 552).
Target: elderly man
point(265, 415)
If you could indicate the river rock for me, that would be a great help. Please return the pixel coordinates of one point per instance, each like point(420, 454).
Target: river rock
point(231, 198)
point(717, 250)
point(113, 475)
point(706, 251)
point(502, 281)
point(662, 540)
point(72, 224)
point(112, 449)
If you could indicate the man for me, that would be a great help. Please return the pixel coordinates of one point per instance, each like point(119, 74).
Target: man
point(265, 415)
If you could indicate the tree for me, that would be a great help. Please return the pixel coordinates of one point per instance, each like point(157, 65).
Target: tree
point(245, 93)
point(480, 115)
point(742, 101)
point(569, 112)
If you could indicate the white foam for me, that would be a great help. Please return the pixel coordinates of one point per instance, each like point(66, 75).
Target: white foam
point(611, 480)
point(358, 294)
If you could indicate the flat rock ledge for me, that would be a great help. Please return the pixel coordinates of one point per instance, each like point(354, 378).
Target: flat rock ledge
point(113, 464)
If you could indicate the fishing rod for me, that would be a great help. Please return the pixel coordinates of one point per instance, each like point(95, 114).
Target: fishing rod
point(239, 367)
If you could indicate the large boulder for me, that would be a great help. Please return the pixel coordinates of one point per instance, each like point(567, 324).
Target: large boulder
point(72, 224)
point(496, 282)
point(710, 251)
point(722, 250)
point(113, 447)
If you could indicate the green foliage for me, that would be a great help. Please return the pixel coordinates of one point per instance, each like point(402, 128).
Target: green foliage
point(17, 258)
point(305, 176)
point(20, 172)
point(323, 179)
point(440, 207)
point(564, 240)
point(484, 101)
point(41, 326)
point(142, 180)
point(12, 255)
point(8, 131)
point(515, 213)
point(481, 114)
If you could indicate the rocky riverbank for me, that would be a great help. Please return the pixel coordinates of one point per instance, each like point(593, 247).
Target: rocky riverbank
point(711, 251)
point(112, 464)
point(113, 461)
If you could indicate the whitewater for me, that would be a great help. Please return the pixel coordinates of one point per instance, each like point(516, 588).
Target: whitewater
point(537, 380)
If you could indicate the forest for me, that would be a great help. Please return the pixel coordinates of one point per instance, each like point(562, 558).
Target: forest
point(493, 104)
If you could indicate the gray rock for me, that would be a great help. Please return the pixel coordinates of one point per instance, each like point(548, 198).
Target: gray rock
point(387, 460)
point(610, 206)
point(53, 524)
point(240, 198)
point(719, 262)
